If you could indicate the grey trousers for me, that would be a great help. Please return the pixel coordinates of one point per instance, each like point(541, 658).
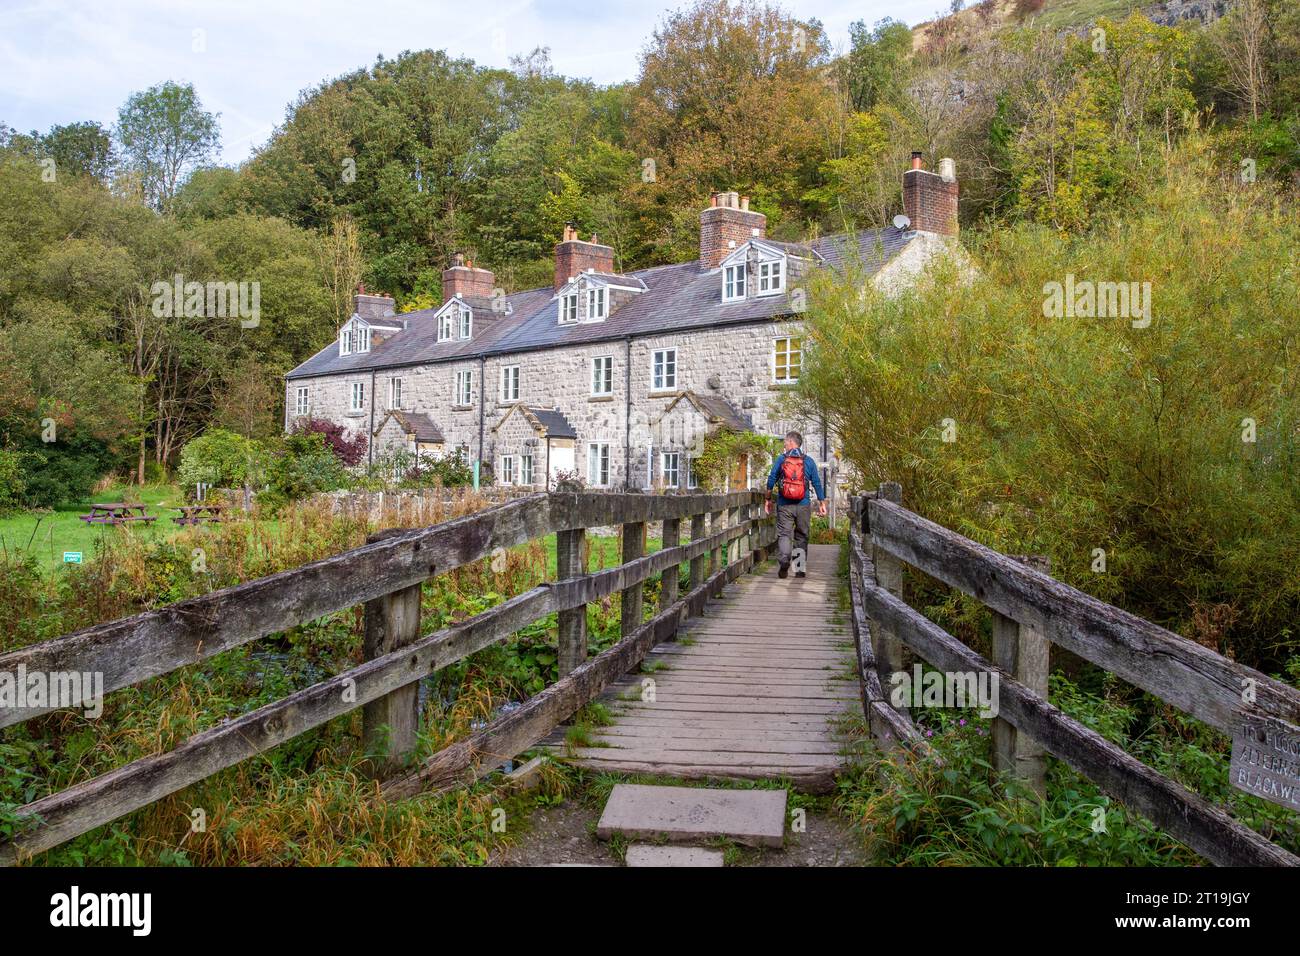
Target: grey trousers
point(792, 521)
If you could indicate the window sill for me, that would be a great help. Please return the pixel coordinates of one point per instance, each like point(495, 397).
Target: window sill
point(664, 393)
point(462, 408)
point(783, 386)
point(600, 398)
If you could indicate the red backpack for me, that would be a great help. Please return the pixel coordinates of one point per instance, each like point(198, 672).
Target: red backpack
point(793, 483)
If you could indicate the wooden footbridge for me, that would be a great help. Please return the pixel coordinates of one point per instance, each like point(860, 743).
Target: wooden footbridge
point(741, 675)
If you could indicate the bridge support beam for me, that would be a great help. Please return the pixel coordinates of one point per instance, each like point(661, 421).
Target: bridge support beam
point(699, 529)
point(631, 597)
point(389, 724)
point(1023, 653)
point(889, 575)
point(571, 562)
point(668, 582)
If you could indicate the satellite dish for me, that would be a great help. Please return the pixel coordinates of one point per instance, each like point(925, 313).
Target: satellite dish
point(901, 222)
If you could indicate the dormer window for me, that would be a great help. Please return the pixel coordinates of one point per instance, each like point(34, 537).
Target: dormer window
point(771, 277)
point(733, 282)
point(596, 302)
point(466, 323)
point(354, 337)
point(569, 307)
point(446, 325)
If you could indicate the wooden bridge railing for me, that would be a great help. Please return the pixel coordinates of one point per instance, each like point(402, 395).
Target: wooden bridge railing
point(1032, 610)
point(386, 575)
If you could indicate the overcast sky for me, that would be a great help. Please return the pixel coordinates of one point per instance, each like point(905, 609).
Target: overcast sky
point(66, 61)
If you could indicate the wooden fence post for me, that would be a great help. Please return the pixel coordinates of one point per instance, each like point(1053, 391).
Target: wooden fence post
point(698, 530)
point(733, 547)
point(570, 562)
point(715, 556)
point(633, 548)
point(672, 537)
point(889, 575)
point(389, 724)
point(1025, 654)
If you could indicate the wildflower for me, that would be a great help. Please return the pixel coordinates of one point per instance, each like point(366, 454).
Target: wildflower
point(962, 722)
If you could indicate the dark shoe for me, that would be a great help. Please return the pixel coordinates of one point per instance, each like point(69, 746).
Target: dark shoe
point(800, 574)
point(783, 570)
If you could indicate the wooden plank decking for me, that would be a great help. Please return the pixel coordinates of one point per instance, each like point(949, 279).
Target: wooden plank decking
point(750, 690)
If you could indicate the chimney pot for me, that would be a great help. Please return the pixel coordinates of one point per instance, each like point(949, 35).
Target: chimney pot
point(744, 203)
point(916, 159)
point(948, 170)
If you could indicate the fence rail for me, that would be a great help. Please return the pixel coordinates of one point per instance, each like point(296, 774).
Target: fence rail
point(386, 575)
point(1038, 608)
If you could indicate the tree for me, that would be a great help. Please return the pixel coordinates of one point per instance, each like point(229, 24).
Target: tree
point(165, 134)
point(879, 62)
point(1242, 39)
point(82, 149)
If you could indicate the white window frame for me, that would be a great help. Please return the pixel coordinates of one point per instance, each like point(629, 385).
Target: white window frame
point(659, 377)
point(790, 350)
point(526, 474)
point(345, 342)
point(396, 384)
point(734, 281)
point(509, 394)
point(358, 400)
point(771, 277)
point(302, 401)
point(466, 322)
point(464, 388)
point(598, 477)
point(602, 373)
point(569, 308)
point(690, 473)
point(676, 458)
point(597, 304)
point(446, 325)
point(507, 469)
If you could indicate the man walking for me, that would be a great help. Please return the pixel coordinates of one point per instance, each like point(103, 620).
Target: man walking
point(798, 476)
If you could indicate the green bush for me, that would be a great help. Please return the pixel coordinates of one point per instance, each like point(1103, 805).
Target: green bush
point(303, 464)
point(13, 478)
point(220, 458)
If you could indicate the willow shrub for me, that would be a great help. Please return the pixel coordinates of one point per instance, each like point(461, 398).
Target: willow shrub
point(1075, 435)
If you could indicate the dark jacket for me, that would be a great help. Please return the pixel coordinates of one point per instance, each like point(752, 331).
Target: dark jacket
point(813, 483)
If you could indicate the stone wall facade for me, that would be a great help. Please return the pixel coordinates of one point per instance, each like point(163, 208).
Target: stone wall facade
point(733, 362)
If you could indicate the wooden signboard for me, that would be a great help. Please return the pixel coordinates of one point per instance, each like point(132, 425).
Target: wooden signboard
point(1266, 760)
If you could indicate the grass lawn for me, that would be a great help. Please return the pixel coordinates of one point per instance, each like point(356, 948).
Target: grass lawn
point(48, 534)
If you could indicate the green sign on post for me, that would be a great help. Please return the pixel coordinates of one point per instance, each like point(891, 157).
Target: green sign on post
point(71, 557)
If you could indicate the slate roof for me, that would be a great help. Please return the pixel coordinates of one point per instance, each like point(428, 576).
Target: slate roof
point(417, 424)
point(678, 297)
point(556, 425)
point(715, 408)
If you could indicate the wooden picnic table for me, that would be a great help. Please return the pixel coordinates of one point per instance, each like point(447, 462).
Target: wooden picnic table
point(200, 513)
point(116, 513)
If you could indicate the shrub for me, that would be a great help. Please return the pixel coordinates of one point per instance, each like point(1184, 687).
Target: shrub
point(221, 458)
point(303, 464)
point(349, 451)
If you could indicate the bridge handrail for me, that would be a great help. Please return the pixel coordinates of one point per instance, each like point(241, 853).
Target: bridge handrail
point(1039, 609)
point(391, 568)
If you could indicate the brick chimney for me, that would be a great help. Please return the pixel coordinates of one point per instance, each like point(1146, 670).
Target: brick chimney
point(371, 306)
point(728, 220)
point(572, 256)
point(930, 199)
point(464, 280)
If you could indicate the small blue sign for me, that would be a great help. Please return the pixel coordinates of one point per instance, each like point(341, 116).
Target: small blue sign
point(71, 557)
